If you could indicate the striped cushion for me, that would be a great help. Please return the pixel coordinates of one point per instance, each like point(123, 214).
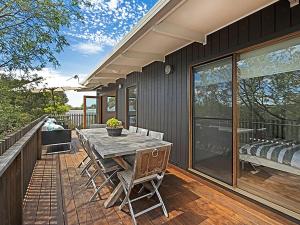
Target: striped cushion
point(276, 150)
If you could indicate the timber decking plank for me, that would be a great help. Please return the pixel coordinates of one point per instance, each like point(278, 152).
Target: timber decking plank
point(188, 201)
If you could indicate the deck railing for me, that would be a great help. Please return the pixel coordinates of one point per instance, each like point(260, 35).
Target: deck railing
point(19, 153)
point(73, 120)
point(285, 129)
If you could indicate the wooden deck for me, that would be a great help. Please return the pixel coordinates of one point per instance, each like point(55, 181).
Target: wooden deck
point(55, 197)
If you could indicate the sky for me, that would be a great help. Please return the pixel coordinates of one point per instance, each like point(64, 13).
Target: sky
point(105, 23)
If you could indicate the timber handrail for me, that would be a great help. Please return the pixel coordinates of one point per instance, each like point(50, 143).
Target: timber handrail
point(12, 138)
point(20, 153)
point(9, 155)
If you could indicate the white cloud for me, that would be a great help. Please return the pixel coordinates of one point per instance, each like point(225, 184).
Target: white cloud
point(88, 48)
point(113, 4)
point(55, 78)
point(106, 22)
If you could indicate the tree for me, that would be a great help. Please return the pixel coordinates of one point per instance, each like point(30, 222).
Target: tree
point(31, 32)
point(19, 106)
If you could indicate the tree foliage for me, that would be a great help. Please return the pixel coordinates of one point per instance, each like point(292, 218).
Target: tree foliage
point(31, 32)
point(19, 106)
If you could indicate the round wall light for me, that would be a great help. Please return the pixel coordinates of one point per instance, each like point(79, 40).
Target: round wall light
point(168, 69)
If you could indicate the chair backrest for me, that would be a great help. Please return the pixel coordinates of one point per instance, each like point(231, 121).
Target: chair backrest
point(132, 129)
point(151, 161)
point(90, 152)
point(156, 135)
point(80, 137)
point(98, 125)
point(142, 131)
point(77, 131)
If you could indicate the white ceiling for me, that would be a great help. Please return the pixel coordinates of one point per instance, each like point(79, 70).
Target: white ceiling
point(186, 22)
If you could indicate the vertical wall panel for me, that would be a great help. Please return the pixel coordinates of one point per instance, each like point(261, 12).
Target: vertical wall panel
point(178, 96)
point(243, 31)
point(215, 43)
point(282, 15)
point(295, 15)
point(233, 35)
point(163, 99)
point(224, 39)
point(268, 20)
point(254, 26)
point(207, 47)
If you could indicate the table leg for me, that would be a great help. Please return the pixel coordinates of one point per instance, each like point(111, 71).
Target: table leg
point(114, 196)
point(125, 165)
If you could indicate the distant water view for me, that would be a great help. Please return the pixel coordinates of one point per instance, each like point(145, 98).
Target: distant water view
point(75, 111)
point(80, 111)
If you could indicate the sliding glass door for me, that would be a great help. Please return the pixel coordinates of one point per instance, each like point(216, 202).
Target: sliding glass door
point(269, 126)
point(212, 119)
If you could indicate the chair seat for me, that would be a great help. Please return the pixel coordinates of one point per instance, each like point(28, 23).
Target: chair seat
point(126, 176)
point(108, 165)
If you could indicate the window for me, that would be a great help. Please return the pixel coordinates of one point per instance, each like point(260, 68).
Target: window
point(269, 123)
point(111, 104)
point(212, 119)
point(131, 106)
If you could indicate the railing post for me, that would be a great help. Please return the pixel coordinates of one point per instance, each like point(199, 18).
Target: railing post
point(39, 144)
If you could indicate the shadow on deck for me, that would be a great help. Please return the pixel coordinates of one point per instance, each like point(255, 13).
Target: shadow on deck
point(55, 197)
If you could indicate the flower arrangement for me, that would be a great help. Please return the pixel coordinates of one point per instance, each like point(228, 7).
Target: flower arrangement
point(114, 127)
point(114, 123)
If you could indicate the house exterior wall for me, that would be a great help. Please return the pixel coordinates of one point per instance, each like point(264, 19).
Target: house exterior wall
point(163, 100)
point(102, 114)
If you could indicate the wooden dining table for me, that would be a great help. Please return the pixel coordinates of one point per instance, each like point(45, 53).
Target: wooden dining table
point(118, 147)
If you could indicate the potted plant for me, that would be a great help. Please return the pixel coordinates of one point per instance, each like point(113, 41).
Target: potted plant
point(114, 127)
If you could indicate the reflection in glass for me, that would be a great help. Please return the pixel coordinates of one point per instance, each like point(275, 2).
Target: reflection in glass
point(91, 110)
point(91, 105)
point(111, 104)
point(269, 133)
point(212, 119)
point(132, 105)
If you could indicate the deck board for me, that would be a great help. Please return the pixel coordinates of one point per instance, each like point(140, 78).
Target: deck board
point(56, 186)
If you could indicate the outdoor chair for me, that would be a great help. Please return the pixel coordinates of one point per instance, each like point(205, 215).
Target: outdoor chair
point(156, 135)
point(132, 129)
point(150, 165)
point(105, 167)
point(86, 162)
point(142, 131)
point(98, 125)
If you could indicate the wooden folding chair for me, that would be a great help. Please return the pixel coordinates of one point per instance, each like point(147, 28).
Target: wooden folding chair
point(86, 162)
point(156, 135)
point(105, 167)
point(142, 131)
point(150, 165)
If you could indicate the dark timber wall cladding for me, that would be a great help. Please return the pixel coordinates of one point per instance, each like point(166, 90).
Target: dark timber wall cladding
point(163, 100)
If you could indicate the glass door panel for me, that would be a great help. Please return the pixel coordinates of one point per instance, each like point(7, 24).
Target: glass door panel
point(90, 110)
point(269, 126)
point(212, 119)
point(131, 106)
